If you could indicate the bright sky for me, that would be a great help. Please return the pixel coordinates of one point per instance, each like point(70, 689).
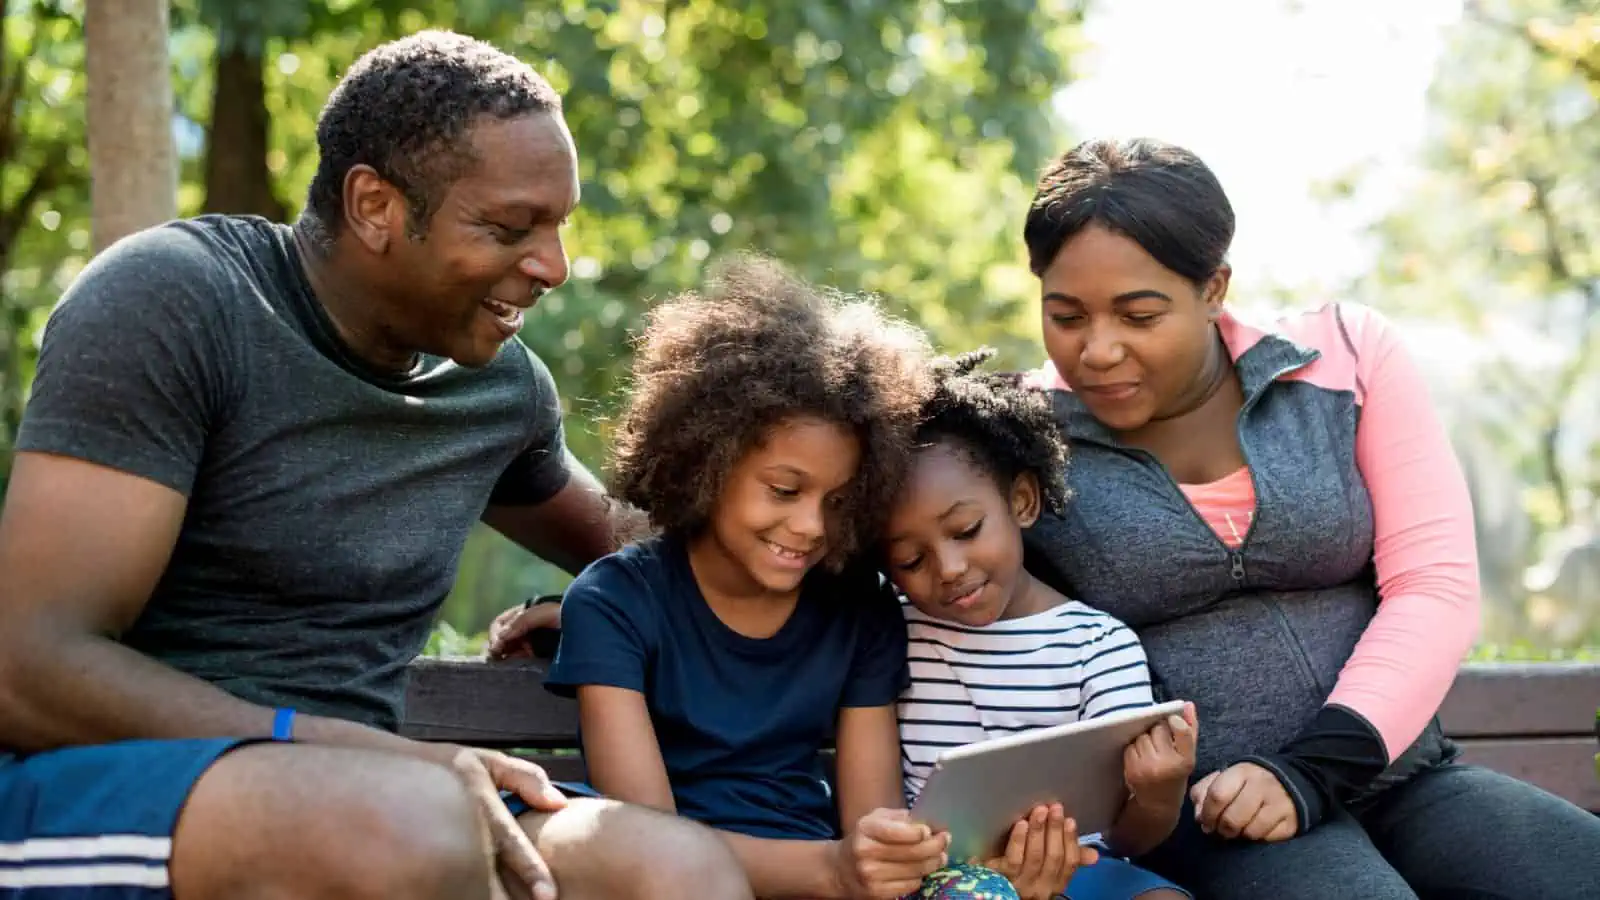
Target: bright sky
point(1275, 95)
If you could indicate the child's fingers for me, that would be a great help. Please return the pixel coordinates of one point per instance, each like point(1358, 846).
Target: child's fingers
point(893, 826)
point(1160, 735)
point(931, 848)
point(1033, 853)
point(1059, 830)
point(1185, 733)
point(1016, 848)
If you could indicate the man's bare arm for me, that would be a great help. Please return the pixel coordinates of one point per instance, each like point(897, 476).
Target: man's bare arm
point(575, 527)
point(82, 547)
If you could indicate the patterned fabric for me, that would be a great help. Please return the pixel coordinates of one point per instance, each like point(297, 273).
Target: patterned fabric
point(965, 882)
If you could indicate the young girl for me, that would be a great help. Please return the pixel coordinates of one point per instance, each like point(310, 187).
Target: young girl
point(993, 651)
point(768, 426)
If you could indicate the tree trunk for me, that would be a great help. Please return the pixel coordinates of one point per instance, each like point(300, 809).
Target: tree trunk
point(133, 160)
point(237, 177)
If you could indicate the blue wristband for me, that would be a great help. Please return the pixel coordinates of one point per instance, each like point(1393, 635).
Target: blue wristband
point(283, 724)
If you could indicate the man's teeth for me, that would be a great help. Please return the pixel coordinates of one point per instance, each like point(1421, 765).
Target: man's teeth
point(503, 310)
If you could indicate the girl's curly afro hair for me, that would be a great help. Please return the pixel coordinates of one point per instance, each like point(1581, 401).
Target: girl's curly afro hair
point(1001, 426)
point(715, 369)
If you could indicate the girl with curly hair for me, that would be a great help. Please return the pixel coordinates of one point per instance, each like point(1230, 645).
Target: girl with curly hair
point(995, 651)
point(768, 429)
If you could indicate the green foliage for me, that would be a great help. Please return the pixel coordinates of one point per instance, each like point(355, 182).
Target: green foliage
point(1525, 651)
point(447, 641)
point(1501, 231)
point(883, 145)
point(44, 200)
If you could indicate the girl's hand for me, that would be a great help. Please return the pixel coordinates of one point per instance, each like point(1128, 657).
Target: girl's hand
point(508, 633)
point(1157, 764)
point(888, 855)
point(1042, 854)
point(1244, 800)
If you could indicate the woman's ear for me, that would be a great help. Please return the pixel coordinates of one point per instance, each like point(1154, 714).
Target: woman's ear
point(1025, 499)
point(1216, 291)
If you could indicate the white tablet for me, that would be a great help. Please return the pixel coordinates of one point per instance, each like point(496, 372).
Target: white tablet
point(978, 791)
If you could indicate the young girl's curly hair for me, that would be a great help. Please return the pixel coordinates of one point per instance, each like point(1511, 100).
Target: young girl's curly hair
point(1002, 427)
point(715, 369)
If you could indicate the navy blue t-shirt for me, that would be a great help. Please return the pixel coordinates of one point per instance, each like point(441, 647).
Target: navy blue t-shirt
point(740, 720)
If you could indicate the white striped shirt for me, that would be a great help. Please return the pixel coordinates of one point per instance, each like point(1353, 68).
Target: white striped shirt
point(971, 684)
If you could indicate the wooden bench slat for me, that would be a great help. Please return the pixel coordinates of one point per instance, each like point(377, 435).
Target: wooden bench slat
point(559, 768)
point(467, 700)
point(1531, 721)
point(1522, 700)
point(1563, 766)
point(502, 704)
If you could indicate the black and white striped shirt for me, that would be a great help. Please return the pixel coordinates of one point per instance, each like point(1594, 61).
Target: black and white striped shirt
point(971, 684)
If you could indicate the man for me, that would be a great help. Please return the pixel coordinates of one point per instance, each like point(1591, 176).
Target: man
point(242, 487)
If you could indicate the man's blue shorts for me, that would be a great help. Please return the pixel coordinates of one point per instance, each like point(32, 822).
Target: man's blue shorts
point(96, 823)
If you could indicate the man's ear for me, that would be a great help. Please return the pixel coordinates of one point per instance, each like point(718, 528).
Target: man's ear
point(1025, 499)
point(375, 212)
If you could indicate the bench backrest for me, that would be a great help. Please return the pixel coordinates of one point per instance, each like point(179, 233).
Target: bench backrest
point(1532, 721)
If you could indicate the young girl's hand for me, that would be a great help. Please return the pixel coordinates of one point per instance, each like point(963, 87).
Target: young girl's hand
point(1042, 853)
point(888, 855)
point(1158, 763)
point(508, 633)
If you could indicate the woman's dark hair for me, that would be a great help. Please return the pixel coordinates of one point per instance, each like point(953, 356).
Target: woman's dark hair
point(1158, 195)
point(716, 369)
point(1002, 427)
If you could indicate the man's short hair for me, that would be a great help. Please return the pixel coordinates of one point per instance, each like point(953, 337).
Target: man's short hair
point(404, 108)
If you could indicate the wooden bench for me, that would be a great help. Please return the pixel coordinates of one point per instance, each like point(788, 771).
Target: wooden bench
point(1533, 721)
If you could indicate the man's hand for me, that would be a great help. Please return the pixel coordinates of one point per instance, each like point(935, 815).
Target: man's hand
point(508, 634)
point(1157, 764)
point(486, 773)
point(1244, 800)
point(1042, 854)
point(887, 855)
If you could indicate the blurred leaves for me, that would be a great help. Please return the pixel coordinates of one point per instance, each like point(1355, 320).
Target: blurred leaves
point(883, 145)
point(1500, 231)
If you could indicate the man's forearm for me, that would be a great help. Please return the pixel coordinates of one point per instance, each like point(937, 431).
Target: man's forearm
point(785, 869)
point(91, 690)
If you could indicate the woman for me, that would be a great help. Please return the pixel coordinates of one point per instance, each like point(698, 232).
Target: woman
point(1278, 513)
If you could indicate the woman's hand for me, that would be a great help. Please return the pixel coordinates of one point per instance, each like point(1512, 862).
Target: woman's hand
point(1244, 800)
point(1042, 854)
point(1157, 764)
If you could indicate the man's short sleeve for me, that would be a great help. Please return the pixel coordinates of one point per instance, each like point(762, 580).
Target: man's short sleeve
point(543, 469)
point(133, 369)
point(879, 671)
point(607, 630)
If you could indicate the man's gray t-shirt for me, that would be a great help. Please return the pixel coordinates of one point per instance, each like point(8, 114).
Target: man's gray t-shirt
point(328, 503)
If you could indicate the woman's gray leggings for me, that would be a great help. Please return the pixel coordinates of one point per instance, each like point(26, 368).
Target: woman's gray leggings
point(1453, 832)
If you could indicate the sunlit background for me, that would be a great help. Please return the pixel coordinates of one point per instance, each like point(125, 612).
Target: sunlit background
point(1437, 159)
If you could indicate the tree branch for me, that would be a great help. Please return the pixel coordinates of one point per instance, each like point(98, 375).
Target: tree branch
point(1572, 372)
point(1588, 68)
point(11, 85)
point(46, 178)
